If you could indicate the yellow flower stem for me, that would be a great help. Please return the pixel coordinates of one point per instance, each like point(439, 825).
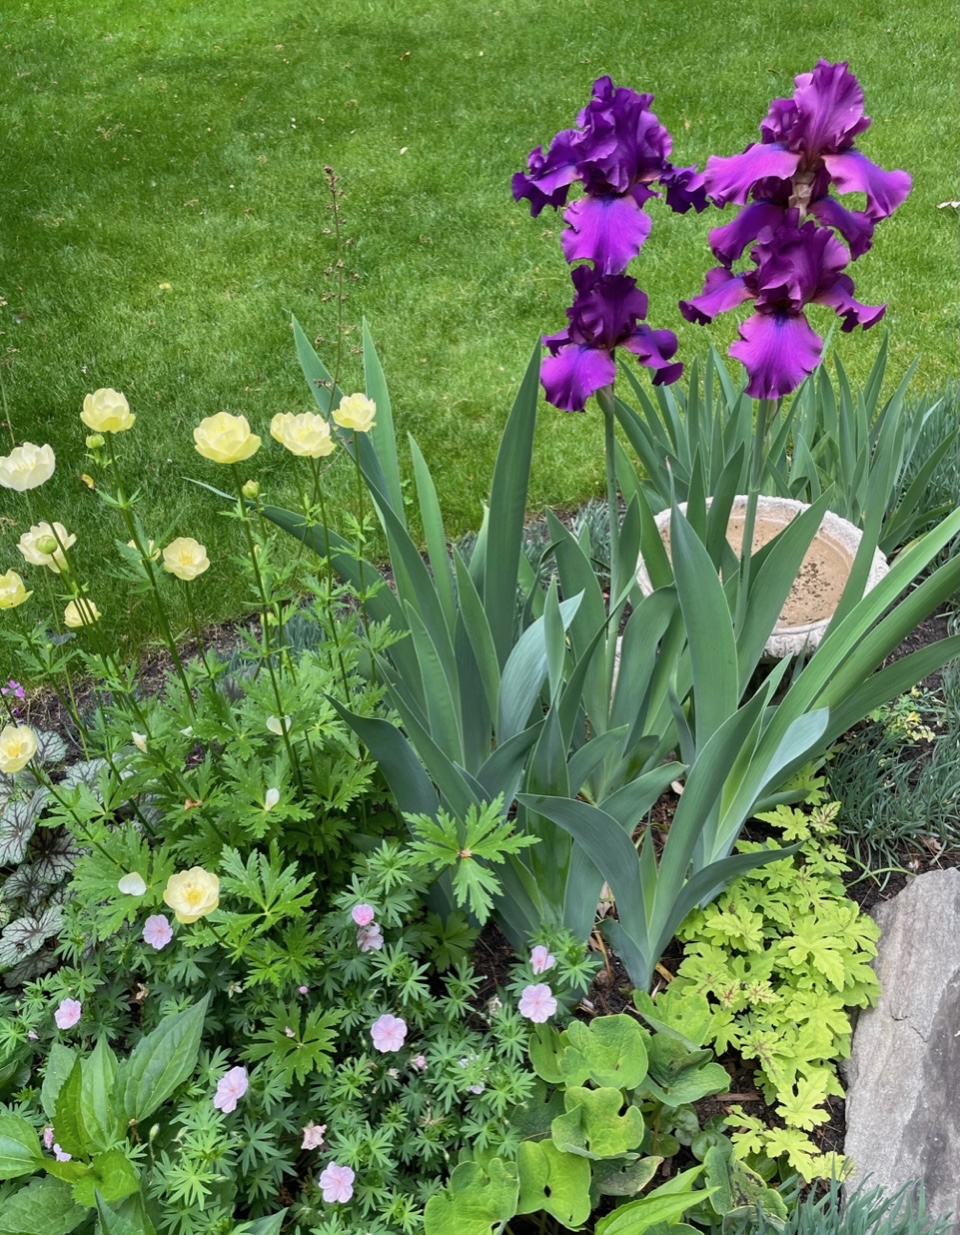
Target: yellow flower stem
point(195, 628)
point(268, 657)
point(363, 590)
point(124, 504)
point(71, 708)
point(331, 616)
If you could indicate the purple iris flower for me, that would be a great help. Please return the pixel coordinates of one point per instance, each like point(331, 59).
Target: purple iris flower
point(796, 265)
point(618, 149)
point(806, 144)
point(605, 315)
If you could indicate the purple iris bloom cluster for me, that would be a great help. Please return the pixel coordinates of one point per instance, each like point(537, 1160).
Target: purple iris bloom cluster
point(617, 151)
point(788, 217)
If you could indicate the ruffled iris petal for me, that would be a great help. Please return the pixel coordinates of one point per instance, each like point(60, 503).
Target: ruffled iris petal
point(853, 172)
point(778, 350)
point(840, 299)
point(729, 241)
point(853, 225)
point(721, 291)
point(730, 178)
point(829, 104)
point(654, 349)
point(608, 230)
point(576, 371)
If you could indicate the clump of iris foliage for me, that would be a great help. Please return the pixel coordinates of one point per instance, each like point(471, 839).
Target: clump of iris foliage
point(241, 915)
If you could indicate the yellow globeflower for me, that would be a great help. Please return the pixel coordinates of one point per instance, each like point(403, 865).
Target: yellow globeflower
point(356, 412)
point(18, 745)
point(80, 612)
point(107, 411)
point(27, 466)
point(307, 435)
point(225, 439)
point(192, 894)
point(185, 558)
point(43, 545)
point(12, 591)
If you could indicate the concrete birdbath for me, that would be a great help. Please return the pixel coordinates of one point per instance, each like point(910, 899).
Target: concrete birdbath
point(816, 592)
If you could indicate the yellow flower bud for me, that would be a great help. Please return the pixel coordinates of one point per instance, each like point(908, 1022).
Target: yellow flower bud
point(107, 411)
point(12, 591)
point(43, 545)
point(356, 412)
point(185, 558)
point(80, 612)
point(192, 894)
point(307, 435)
point(18, 745)
point(151, 551)
point(26, 467)
point(95, 441)
point(225, 439)
point(251, 490)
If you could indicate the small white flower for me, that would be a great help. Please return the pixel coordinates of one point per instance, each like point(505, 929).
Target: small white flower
point(188, 732)
point(132, 884)
point(271, 799)
point(278, 726)
point(140, 742)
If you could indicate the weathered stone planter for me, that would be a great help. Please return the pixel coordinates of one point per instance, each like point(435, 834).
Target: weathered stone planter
point(820, 582)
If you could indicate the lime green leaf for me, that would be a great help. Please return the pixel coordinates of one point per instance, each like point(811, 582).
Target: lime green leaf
point(610, 1051)
point(60, 1063)
point(553, 1181)
point(475, 1200)
point(615, 1177)
point(69, 1129)
point(593, 1126)
point(101, 1117)
point(112, 1176)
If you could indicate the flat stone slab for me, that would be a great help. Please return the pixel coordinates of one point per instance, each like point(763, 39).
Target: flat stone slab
point(903, 1096)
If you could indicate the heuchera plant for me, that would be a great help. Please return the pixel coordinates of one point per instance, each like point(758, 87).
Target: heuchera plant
point(788, 216)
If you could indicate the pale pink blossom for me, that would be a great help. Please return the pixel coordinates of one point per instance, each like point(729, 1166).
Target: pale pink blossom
point(61, 1155)
point(388, 1032)
point(363, 914)
point(369, 937)
point(313, 1135)
point(230, 1089)
point(541, 959)
point(34, 1037)
point(48, 1135)
point(68, 1013)
point(303, 989)
point(289, 1032)
point(157, 931)
point(336, 1183)
point(419, 1062)
point(537, 1003)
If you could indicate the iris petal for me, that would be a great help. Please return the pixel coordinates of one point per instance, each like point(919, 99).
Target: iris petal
point(853, 225)
point(729, 179)
point(571, 376)
point(778, 350)
point(608, 230)
point(729, 241)
point(853, 172)
point(721, 291)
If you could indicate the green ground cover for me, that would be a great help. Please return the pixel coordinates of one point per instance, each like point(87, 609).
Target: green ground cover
point(182, 145)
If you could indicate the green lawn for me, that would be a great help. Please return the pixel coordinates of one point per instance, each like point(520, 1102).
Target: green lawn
point(185, 144)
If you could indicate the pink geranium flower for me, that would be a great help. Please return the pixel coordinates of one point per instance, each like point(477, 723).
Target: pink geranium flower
point(48, 1135)
point(388, 1032)
point(336, 1182)
point(230, 1089)
point(537, 1003)
point(369, 937)
point(157, 931)
point(313, 1135)
point(61, 1155)
point(363, 914)
point(68, 1013)
point(541, 959)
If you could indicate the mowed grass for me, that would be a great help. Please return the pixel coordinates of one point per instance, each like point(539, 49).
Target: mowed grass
point(185, 144)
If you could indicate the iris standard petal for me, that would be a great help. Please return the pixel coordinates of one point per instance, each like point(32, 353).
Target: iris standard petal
point(729, 241)
point(778, 350)
point(608, 230)
point(829, 109)
point(730, 178)
point(722, 290)
point(571, 376)
point(853, 172)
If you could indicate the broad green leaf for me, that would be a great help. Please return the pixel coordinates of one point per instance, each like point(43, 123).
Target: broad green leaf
point(638, 1216)
point(593, 1126)
point(475, 1201)
point(546, 1048)
point(43, 1207)
point(609, 1050)
point(382, 436)
point(68, 1127)
point(99, 1109)
point(60, 1063)
point(552, 1181)
point(525, 671)
point(434, 533)
point(531, 1119)
point(129, 1217)
point(679, 1076)
point(113, 1177)
point(20, 1152)
point(161, 1061)
point(618, 1178)
point(397, 759)
point(262, 1226)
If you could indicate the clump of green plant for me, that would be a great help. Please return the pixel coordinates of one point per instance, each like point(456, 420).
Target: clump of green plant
point(783, 955)
point(863, 1212)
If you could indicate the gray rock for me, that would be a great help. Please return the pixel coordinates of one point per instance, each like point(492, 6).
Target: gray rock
point(903, 1097)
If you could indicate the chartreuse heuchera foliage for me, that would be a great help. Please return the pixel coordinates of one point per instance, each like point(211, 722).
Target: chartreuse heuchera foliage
point(245, 990)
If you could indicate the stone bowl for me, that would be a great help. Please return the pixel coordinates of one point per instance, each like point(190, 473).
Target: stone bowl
point(816, 591)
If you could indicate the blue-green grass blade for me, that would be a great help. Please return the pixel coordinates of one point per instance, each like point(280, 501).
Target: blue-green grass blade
point(397, 759)
point(434, 533)
point(441, 691)
point(382, 435)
